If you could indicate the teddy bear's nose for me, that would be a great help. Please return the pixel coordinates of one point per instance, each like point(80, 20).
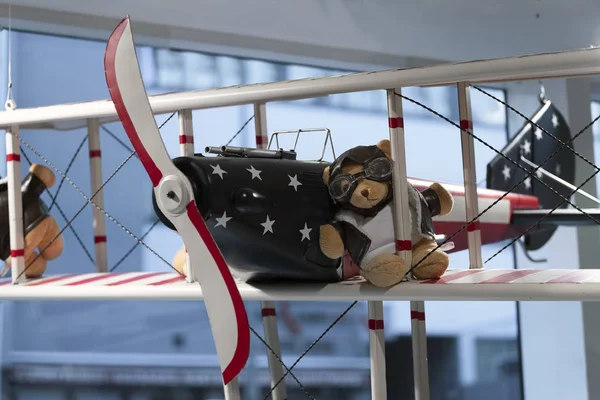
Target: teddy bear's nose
point(365, 193)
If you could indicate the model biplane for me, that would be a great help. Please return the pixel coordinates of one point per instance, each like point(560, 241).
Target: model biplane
point(251, 210)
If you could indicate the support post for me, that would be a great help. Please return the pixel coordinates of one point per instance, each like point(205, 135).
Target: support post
point(232, 390)
point(402, 231)
point(186, 149)
point(15, 201)
point(377, 350)
point(268, 307)
point(96, 182)
point(469, 174)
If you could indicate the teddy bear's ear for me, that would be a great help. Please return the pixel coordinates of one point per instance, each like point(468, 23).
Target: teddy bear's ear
point(385, 146)
point(326, 175)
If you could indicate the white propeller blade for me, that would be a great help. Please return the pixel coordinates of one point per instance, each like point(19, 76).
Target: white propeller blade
point(175, 198)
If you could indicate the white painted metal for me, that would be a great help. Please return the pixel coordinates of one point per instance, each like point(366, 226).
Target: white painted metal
point(456, 285)
point(260, 125)
point(377, 351)
point(469, 174)
point(419, 348)
point(186, 133)
point(269, 314)
point(402, 230)
point(186, 148)
point(99, 221)
point(576, 63)
point(269, 317)
point(15, 202)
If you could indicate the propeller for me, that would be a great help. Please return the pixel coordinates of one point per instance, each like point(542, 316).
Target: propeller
point(175, 198)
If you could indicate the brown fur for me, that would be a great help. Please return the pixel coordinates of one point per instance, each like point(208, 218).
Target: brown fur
point(41, 236)
point(387, 269)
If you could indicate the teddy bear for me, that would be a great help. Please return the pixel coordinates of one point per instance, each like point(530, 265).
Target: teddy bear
point(360, 183)
point(41, 230)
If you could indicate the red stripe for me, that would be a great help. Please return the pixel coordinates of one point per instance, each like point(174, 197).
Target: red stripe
point(50, 280)
point(403, 245)
point(13, 157)
point(243, 346)
point(454, 276)
point(95, 153)
point(90, 280)
point(260, 140)
point(167, 281)
point(6, 282)
point(418, 315)
point(115, 93)
point(466, 124)
point(573, 277)
point(473, 226)
point(17, 253)
point(268, 312)
point(183, 139)
point(375, 324)
point(135, 278)
point(99, 239)
point(509, 276)
point(397, 122)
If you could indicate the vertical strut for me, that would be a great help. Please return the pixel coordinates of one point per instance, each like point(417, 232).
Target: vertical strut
point(15, 205)
point(268, 307)
point(469, 174)
point(186, 148)
point(377, 351)
point(99, 221)
point(402, 229)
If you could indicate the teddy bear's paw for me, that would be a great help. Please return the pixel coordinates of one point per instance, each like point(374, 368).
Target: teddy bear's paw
point(384, 270)
point(330, 242)
point(445, 197)
point(180, 260)
point(35, 265)
point(433, 266)
point(44, 174)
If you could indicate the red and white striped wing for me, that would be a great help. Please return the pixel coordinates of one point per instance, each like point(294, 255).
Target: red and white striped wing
point(228, 319)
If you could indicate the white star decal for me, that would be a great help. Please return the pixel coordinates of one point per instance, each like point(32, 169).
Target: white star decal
point(255, 172)
point(506, 172)
point(268, 225)
point(222, 221)
point(557, 169)
point(294, 182)
point(527, 182)
point(526, 146)
point(538, 134)
point(218, 171)
point(554, 120)
point(305, 233)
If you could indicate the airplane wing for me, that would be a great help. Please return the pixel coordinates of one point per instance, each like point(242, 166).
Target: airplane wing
point(175, 197)
point(559, 217)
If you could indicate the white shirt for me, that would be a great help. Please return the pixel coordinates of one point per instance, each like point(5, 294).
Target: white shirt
point(380, 228)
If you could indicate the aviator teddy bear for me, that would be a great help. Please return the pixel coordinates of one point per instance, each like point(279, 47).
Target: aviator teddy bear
point(360, 184)
point(41, 230)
